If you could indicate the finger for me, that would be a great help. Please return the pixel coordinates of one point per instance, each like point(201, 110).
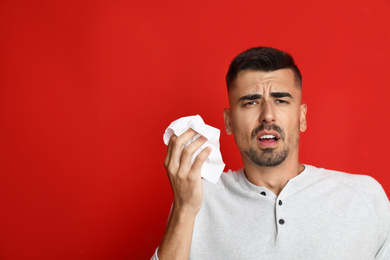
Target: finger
point(189, 151)
point(178, 144)
point(169, 150)
point(200, 159)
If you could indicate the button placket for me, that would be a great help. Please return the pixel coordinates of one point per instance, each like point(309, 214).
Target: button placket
point(280, 220)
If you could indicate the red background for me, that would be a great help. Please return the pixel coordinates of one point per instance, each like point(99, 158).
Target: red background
point(87, 89)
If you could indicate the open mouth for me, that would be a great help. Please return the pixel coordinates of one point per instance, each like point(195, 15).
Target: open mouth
point(268, 139)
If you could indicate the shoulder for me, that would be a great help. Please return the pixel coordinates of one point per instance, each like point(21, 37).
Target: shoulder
point(230, 182)
point(363, 187)
point(363, 184)
point(227, 179)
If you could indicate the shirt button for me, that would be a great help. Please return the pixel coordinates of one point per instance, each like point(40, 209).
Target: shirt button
point(281, 221)
point(263, 193)
point(280, 203)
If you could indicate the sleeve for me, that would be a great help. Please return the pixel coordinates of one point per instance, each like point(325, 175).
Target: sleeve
point(384, 252)
point(384, 213)
point(155, 257)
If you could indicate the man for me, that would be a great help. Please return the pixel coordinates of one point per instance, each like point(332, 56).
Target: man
point(276, 207)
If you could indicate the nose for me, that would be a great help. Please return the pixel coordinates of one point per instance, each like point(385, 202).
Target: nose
point(267, 114)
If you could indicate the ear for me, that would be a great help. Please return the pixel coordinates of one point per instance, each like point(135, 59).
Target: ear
point(226, 116)
point(302, 118)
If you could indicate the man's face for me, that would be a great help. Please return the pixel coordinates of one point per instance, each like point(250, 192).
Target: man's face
point(266, 116)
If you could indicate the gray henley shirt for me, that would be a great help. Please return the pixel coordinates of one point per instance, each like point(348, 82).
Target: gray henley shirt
point(319, 214)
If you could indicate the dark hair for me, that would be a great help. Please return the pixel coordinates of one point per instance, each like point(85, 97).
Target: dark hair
point(262, 59)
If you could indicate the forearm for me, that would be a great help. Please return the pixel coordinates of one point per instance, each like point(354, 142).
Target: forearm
point(176, 242)
point(186, 182)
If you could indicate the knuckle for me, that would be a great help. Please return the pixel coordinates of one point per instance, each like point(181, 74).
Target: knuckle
point(201, 157)
point(173, 140)
point(183, 172)
point(192, 177)
point(187, 151)
point(181, 177)
point(171, 169)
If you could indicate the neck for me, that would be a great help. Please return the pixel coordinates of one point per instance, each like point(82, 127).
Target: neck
point(273, 178)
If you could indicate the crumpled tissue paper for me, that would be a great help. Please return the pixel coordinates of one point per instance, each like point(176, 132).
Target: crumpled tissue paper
point(214, 165)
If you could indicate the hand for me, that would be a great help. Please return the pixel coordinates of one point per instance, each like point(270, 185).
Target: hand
point(185, 178)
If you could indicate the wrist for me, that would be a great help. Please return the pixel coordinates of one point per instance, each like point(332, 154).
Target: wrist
point(183, 212)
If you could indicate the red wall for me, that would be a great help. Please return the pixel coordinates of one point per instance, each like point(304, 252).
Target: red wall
point(88, 87)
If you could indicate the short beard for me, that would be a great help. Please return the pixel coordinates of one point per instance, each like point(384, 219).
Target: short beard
point(267, 157)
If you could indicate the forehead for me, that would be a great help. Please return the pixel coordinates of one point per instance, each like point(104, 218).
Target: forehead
point(249, 81)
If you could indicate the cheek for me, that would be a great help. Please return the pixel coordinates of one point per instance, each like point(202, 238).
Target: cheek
point(294, 132)
point(241, 130)
point(243, 137)
point(239, 133)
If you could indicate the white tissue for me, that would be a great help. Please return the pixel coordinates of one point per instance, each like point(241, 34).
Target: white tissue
point(213, 166)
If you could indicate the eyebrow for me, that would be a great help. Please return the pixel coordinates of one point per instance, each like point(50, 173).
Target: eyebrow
point(249, 97)
point(273, 94)
point(281, 95)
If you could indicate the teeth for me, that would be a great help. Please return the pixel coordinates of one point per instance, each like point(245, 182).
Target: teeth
point(267, 137)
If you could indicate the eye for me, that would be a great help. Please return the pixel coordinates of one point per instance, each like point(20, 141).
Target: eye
point(281, 101)
point(250, 103)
